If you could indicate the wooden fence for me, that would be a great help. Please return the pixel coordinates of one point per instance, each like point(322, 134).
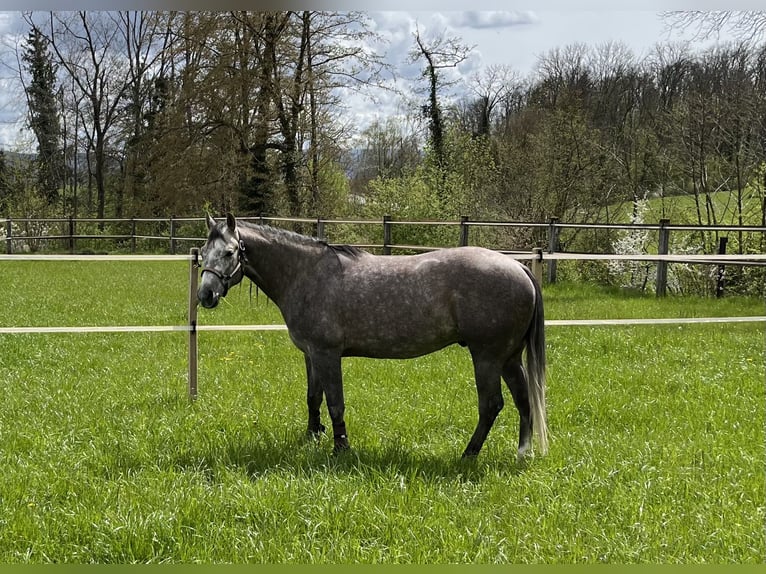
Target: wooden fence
point(551, 253)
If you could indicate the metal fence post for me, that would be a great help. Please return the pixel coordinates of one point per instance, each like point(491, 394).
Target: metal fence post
point(662, 266)
point(132, 234)
point(463, 230)
point(386, 235)
point(553, 246)
point(9, 236)
point(193, 275)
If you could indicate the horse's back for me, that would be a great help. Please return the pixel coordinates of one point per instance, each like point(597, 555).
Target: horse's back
point(408, 305)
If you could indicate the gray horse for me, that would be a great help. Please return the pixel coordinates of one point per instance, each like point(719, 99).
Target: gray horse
point(342, 301)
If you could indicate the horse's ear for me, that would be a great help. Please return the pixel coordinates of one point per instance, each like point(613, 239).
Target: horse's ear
point(210, 221)
point(231, 223)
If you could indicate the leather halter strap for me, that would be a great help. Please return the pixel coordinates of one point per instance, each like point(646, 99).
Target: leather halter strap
point(226, 279)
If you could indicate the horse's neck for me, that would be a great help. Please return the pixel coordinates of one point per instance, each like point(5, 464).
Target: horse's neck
point(275, 263)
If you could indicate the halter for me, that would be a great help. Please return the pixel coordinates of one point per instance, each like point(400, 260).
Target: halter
point(226, 279)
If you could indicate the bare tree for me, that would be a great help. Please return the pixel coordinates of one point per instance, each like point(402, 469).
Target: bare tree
point(86, 47)
point(748, 25)
point(388, 149)
point(144, 36)
point(491, 88)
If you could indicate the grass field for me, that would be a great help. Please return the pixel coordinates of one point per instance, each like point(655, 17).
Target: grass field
point(682, 210)
point(657, 447)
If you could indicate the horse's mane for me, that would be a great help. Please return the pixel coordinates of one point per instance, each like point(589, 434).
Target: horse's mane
point(278, 234)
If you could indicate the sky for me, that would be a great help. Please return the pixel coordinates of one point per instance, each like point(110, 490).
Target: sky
point(515, 39)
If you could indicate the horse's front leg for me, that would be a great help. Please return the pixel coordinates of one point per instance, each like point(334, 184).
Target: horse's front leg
point(326, 374)
point(314, 401)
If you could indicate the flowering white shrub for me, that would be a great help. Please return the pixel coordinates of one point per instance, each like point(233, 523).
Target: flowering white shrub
point(633, 274)
point(681, 277)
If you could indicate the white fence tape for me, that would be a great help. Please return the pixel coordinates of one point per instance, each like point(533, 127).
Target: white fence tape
point(548, 323)
point(6, 257)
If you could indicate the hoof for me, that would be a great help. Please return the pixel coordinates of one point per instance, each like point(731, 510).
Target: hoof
point(341, 445)
point(315, 432)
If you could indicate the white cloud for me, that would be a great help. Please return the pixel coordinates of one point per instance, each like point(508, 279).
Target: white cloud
point(490, 19)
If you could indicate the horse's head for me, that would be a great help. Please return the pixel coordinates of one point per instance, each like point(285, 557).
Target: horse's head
point(222, 261)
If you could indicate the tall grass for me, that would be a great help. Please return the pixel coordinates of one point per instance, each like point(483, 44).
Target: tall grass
point(656, 455)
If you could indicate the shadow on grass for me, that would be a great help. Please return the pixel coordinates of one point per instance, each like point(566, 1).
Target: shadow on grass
point(303, 456)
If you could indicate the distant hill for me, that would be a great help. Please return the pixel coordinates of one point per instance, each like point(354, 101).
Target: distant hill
point(13, 157)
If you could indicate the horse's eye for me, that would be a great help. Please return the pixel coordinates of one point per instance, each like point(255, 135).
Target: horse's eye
point(229, 252)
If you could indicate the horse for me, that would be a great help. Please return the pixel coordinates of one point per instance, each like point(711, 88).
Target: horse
point(339, 301)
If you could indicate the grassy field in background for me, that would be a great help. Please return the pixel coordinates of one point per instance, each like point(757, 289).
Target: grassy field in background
point(682, 209)
point(656, 454)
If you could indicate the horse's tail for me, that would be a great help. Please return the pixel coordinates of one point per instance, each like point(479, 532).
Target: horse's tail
point(535, 359)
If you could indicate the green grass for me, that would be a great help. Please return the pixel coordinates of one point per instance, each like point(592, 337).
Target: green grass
point(656, 455)
point(682, 210)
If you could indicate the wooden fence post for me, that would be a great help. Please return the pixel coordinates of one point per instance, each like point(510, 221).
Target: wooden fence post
point(386, 235)
point(320, 229)
point(553, 246)
point(132, 234)
point(662, 266)
point(721, 273)
point(9, 236)
point(172, 235)
point(463, 230)
point(71, 235)
point(537, 264)
point(193, 274)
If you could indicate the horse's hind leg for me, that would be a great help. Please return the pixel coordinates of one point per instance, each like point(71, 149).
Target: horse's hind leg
point(516, 379)
point(313, 401)
point(490, 394)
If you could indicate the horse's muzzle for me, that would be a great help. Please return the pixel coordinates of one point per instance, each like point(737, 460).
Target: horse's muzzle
point(208, 297)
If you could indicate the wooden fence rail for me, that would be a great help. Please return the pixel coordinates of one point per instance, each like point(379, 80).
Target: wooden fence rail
point(551, 255)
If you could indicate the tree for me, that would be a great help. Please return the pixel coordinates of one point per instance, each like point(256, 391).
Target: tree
point(387, 149)
point(5, 187)
point(143, 34)
point(491, 87)
point(43, 114)
point(278, 74)
point(440, 53)
point(86, 45)
point(748, 25)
